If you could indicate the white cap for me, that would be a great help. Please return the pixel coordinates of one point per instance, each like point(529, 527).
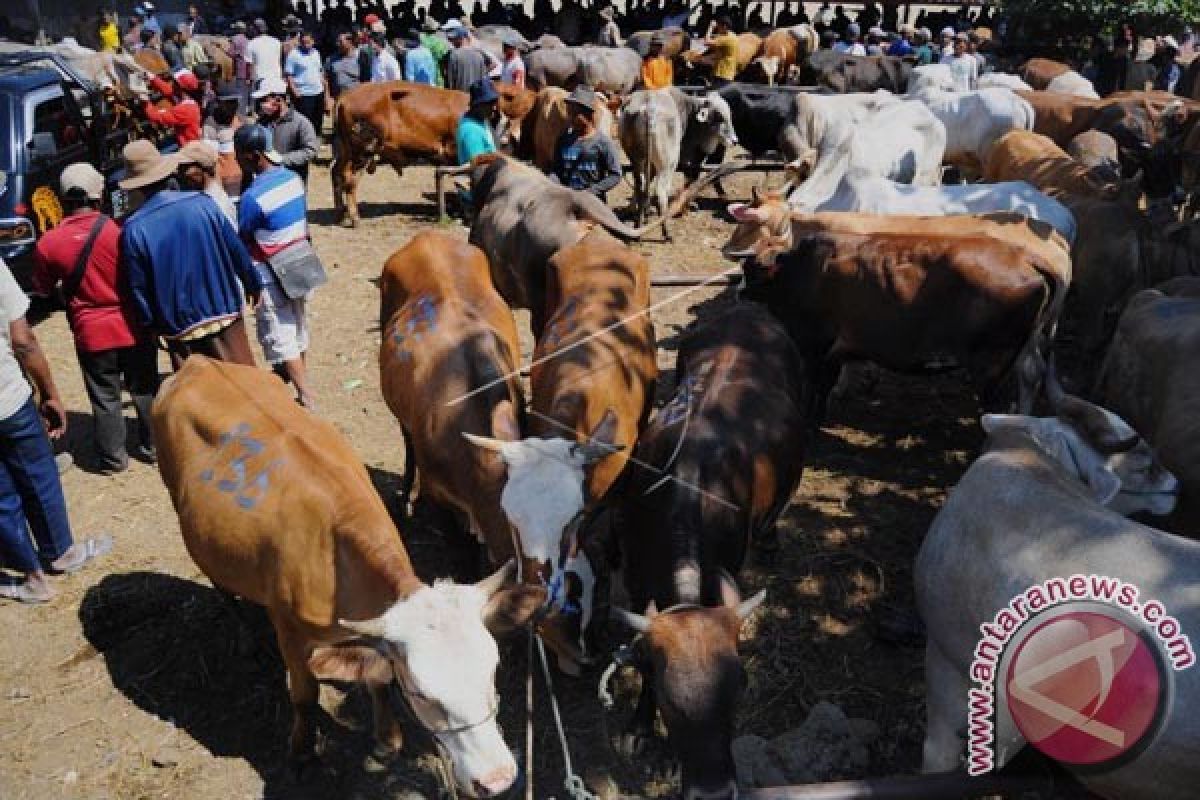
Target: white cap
point(82, 176)
point(268, 86)
point(948, 31)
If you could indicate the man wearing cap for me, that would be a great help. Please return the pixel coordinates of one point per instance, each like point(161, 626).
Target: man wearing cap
point(171, 49)
point(264, 53)
point(150, 21)
point(657, 70)
point(610, 32)
point(723, 43)
point(902, 46)
point(473, 136)
point(31, 496)
point(271, 218)
point(438, 47)
point(197, 166)
point(850, 45)
point(465, 65)
point(585, 157)
point(79, 257)
point(947, 48)
point(513, 71)
point(925, 49)
point(184, 115)
point(963, 66)
point(187, 267)
point(294, 137)
point(306, 80)
point(419, 66)
point(385, 67)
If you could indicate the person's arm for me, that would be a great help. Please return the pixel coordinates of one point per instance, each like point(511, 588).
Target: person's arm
point(139, 279)
point(43, 282)
point(289, 73)
point(31, 357)
point(612, 163)
point(307, 147)
point(161, 116)
point(243, 264)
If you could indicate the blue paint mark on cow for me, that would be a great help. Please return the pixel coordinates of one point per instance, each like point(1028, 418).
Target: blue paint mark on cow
point(239, 447)
point(422, 320)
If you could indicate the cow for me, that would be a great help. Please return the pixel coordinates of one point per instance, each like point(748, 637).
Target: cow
point(897, 139)
point(1001, 80)
point(400, 123)
point(548, 120)
point(1151, 377)
point(663, 128)
point(218, 50)
point(764, 119)
point(1171, 252)
point(676, 42)
point(522, 218)
point(698, 64)
point(844, 73)
point(715, 482)
point(1043, 504)
point(782, 50)
point(860, 286)
point(492, 37)
point(592, 380)
point(275, 507)
point(1097, 152)
point(612, 70)
point(1074, 84)
point(931, 76)
point(974, 120)
point(867, 193)
point(1025, 155)
point(1039, 72)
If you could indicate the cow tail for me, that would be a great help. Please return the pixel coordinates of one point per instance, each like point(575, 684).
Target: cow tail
point(592, 208)
point(1036, 360)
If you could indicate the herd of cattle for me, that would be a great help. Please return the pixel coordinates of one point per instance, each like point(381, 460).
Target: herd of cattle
point(865, 255)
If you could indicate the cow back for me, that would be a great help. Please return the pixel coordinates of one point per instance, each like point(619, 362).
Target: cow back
point(398, 118)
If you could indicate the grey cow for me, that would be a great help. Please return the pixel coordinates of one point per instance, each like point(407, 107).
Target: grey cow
point(613, 70)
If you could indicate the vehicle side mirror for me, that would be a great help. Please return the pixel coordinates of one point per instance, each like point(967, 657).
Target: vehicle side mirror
point(42, 146)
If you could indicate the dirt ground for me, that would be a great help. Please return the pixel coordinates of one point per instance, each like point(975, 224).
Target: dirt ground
point(131, 683)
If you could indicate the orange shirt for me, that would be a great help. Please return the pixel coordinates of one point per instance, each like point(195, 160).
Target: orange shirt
point(657, 73)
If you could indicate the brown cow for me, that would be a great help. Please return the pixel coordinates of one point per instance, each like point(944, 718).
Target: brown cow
point(219, 52)
point(592, 379)
point(860, 286)
point(151, 61)
point(549, 119)
point(275, 506)
point(400, 123)
point(725, 478)
point(1039, 72)
point(701, 63)
point(782, 50)
point(1037, 159)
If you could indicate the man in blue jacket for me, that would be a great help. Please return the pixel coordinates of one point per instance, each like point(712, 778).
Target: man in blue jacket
point(187, 267)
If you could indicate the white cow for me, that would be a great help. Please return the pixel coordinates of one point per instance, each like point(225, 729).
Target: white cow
point(1045, 501)
point(1073, 83)
point(871, 194)
point(931, 76)
point(1002, 80)
point(976, 119)
point(880, 133)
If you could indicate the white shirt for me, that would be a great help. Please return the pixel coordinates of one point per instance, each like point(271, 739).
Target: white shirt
point(855, 49)
point(965, 69)
point(385, 68)
point(265, 54)
point(14, 389)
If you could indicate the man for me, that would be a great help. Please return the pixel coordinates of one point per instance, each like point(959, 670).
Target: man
point(295, 139)
point(110, 36)
point(438, 47)
point(1167, 64)
point(925, 51)
point(850, 45)
point(473, 137)
point(172, 50)
point(271, 218)
point(344, 70)
point(824, 17)
point(610, 33)
point(874, 44)
point(132, 40)
point(192, 51)
point(677, 15)
point(723, 43)
point(465, 65)
point(237, 52)
point(585, 157)
point(185, 262)
point(79, 257)
point(419, 66)
point(385, 67)
point(195, 21)
point(31, 496)
point(902, 45)
point(947, 48)
point(306, 80)
point(291, 35)
point(183, 116)
point(657, 70)
point(150, 21)
point(513, 71)
point(264, 54)
point(963, 66)
point(197, 164)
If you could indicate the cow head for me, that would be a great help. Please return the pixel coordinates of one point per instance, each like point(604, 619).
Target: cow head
point(1100, 450)
point(710, 126)
point(441, 653)
point(544, 500)
point(763, 223)
point(690, 652)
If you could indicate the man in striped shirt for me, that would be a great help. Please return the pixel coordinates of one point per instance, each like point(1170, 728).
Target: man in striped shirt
point(271, 218)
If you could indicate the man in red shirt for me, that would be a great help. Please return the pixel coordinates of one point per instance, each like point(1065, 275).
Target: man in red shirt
point(108, 340)
point(185, 115)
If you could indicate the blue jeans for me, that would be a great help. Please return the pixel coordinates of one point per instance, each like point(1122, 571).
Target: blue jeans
point(31, 496)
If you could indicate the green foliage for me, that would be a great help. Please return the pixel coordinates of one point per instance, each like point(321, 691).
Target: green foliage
point(1148, 16)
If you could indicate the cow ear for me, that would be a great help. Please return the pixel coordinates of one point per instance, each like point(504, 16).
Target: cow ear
point(702, 114)
point(513, 608)
point(741, 212)
point(350, 664)
point(602, 440)
point(504, 422)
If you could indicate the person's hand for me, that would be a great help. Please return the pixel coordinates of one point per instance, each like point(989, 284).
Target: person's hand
point(255, 299)
point(54, 416)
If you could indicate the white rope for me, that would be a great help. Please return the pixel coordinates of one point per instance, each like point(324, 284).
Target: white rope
point(571, 782)
point(602, 692)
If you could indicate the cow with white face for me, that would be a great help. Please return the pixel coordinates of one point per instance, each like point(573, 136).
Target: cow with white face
point(1046, 500)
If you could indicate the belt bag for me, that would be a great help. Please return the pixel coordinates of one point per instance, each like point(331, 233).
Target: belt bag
point(298, 269)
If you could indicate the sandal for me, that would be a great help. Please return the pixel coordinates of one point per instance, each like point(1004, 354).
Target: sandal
point(87, 550)
point(23, 594)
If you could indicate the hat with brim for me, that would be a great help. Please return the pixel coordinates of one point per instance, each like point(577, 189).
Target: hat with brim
point(583, 96)
point(198, 152)
point(144, 165)
point(456, 33)
point(82, 177)
point(482, 92)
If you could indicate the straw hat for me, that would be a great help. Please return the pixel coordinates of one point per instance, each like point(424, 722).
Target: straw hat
point(144, 165)
point(198, 152)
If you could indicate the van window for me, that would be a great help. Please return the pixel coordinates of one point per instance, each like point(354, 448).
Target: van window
point(53, 116)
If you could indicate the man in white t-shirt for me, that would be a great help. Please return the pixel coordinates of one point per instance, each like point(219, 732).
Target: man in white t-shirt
point(963, 66)
point(384, 67)
point(31, 496)
point(264, 54)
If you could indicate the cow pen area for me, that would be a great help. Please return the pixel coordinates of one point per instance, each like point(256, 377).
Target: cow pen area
point(140, 687)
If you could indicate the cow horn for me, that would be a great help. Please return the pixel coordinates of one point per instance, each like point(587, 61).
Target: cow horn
point(749, 605)
point(494, 582)
point(366, 627)
point(631, 620)
point(495, 445)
